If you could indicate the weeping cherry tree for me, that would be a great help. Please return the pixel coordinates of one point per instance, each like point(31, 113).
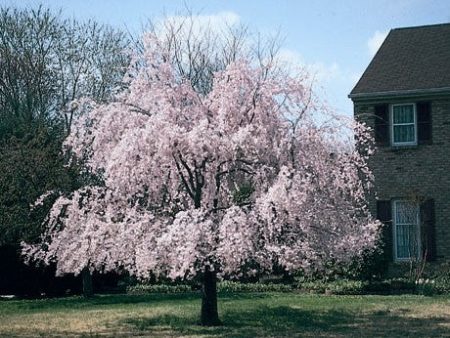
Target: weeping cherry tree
point(209, 185)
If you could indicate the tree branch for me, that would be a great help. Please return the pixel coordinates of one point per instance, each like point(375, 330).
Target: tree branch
point(183, 179)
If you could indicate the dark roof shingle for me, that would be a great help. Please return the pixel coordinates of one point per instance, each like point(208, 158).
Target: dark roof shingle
point(413, 58)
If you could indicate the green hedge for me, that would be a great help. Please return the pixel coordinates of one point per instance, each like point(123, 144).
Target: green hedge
point(230, 286)
point(142, 289)
point(223, 286)
point(337, 287)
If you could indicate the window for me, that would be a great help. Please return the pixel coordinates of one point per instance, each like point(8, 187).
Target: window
point(404, 124)
point(406, 230)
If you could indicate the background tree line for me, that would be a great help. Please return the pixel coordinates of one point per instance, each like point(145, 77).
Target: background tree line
point(46, 62)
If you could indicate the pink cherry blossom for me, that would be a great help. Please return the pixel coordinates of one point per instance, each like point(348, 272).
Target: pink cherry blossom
point(176, 164)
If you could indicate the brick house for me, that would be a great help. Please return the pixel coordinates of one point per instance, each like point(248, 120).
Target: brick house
point(404, 95)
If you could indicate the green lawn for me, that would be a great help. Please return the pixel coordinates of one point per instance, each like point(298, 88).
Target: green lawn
point(244, 315)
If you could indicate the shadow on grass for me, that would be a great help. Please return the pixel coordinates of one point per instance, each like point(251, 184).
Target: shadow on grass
point(284, 321)
point(79, 302)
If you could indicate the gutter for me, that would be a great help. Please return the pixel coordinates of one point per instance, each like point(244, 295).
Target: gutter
point(403, 93)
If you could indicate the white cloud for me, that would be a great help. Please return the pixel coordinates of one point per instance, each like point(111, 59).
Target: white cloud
point(321, 72)
point(375, 41)
point(331, 81)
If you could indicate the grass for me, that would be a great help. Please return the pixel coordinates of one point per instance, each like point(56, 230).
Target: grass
point(244, 315)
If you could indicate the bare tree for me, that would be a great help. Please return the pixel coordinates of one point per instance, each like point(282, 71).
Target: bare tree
point(46, 62)
point(199, 47)
point(91, 62)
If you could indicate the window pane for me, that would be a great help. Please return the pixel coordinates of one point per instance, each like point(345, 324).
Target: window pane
point(405, 212)
point(404, 133)
point(406, 227)
point(407, 244)
point(403, 114)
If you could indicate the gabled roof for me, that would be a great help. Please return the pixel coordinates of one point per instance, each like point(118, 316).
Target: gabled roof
point(410, 60)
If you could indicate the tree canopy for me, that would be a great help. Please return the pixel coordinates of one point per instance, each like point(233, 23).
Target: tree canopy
point(223, 182)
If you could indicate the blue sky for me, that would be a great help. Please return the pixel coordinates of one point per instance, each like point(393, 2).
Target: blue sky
point(335, 39)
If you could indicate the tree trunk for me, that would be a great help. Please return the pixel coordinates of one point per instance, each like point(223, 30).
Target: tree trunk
point(209, 313)
point(88, 290)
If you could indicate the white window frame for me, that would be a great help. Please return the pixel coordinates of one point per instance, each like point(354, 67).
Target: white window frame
point(394, 229)
point(391, 120)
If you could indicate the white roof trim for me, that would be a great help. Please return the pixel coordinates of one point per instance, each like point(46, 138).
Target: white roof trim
point(410, 92)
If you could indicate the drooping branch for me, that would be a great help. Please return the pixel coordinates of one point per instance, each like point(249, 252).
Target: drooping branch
point(137, 109)
point(189, 188)
point(189, 171)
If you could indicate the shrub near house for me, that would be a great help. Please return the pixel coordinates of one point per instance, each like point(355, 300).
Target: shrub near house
point(404, 95)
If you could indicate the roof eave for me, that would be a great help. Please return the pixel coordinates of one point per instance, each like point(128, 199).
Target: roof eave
point(402, 93)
